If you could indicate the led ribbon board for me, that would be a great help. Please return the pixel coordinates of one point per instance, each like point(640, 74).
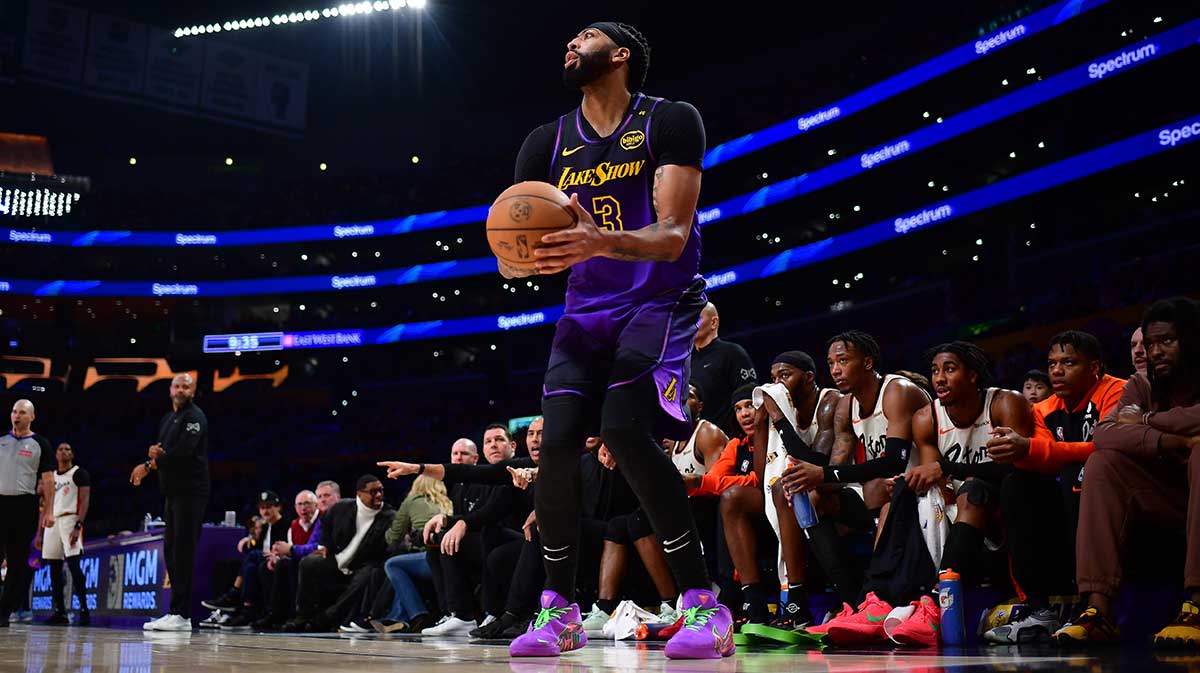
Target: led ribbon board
point(1148, 143)
point(873, 95)
point(1064, 83)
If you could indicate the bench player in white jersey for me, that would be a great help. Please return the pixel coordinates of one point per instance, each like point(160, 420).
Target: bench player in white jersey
point(951, 435)
point(809, 440)
point(869, 449)
point(695, 457)
point(64, 540)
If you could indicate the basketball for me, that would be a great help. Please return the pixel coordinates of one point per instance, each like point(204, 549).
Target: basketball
point(520, 216)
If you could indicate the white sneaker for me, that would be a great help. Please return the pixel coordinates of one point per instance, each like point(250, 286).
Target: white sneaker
point(487, 620)
point(626, 619)
point(174, 623)
point(450, 626)
point(1036, 627)
point(594, 621)
point(215, 620)
point(354, 627)
point(667, 614)
point(152, 625)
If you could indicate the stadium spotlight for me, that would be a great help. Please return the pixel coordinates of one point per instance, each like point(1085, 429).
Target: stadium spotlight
point(416, 159)
point(324, 165)
point(133, 161)
point(417, 4)
point(228, 161)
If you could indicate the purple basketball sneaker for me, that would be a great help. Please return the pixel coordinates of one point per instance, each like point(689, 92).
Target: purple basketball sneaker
point(558, 628)
point(707, 631)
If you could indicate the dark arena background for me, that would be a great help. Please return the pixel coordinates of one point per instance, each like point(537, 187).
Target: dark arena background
point(278, 209)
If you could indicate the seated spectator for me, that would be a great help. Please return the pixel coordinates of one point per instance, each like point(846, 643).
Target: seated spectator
point(254, 593)
point(1137, 352)
point(1146, 467)
point(287, 555)
point(1036, 386)
point(427, 498)
point(247, 597)
point(269, 617)
point(336, 577)
point(1040, 500)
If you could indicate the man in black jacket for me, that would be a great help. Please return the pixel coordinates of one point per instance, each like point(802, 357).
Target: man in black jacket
point(180, 456)
point(336, 577)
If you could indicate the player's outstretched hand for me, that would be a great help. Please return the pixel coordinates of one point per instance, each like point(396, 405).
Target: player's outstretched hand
point(566, 247)
point(397, 469)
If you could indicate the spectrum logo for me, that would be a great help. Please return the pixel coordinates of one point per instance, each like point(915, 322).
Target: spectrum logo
point(195, 239)
point(871, 159)
point(904, 225)
point(1000, 39)
point(520, 320)
point(343, 282)
point(1173, 136)
point(719, 279)
point(354, 230)
point(175, 289)
point(29, 237)
point(1099, 69)
point(818, 118)
point(706, 216)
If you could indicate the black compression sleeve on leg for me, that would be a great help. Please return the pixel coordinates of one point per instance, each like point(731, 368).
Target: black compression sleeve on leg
point(627, 423)
point(558, 492)
point(56, 583)
point(77, 586)
point(962, 548)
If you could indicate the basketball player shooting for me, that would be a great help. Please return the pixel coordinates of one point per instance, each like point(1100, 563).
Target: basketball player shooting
point(631, 165)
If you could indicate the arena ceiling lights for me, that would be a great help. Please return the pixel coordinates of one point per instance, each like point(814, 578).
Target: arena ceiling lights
point(349, 9)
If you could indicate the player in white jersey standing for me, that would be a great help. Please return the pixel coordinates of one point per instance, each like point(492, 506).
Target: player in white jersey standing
point(64, 539)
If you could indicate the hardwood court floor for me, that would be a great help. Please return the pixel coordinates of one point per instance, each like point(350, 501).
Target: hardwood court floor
point(40, 649)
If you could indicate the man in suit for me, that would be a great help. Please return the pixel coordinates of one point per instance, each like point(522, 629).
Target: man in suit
point(335, 577)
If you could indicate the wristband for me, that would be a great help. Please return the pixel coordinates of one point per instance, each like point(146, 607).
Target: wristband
point(149, 465)
point(421, 469)
point(78, 524)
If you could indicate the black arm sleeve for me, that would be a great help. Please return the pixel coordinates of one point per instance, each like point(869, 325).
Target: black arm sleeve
point(796, 447)
point(677, 135)
point(533, 161)
point(82, 478)
point(891, 463)
point(494, 475)
point(989, 471)
point(47, 462)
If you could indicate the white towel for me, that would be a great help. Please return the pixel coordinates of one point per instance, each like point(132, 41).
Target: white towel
point(935, 522)
point(776, 458)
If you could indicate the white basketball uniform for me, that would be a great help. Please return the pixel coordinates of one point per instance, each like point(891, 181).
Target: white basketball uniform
point(967, 444)
point(56, 540)
point(686, 461)
point(777, 456)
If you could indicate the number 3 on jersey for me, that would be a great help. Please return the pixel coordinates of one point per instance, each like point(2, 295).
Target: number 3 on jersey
point(608, 210)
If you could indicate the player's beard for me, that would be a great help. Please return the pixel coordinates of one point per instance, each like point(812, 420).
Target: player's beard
point(590, 67)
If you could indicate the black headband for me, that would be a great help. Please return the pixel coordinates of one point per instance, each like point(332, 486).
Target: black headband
point(745, 392)
point(798, 359)
point(617, 34)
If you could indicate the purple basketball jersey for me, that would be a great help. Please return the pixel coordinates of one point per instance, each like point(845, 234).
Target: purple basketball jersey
point(614, 179)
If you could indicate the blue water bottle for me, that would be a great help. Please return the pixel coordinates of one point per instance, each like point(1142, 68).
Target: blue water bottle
point(802, 507)
point(950, 598)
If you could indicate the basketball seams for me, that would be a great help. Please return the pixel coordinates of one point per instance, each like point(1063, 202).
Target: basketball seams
point(510, 233)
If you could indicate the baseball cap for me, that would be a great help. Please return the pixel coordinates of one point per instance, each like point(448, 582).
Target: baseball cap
point(268, 498)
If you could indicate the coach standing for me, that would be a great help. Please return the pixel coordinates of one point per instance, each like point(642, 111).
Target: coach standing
point(181, 459)
point(24, 458)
